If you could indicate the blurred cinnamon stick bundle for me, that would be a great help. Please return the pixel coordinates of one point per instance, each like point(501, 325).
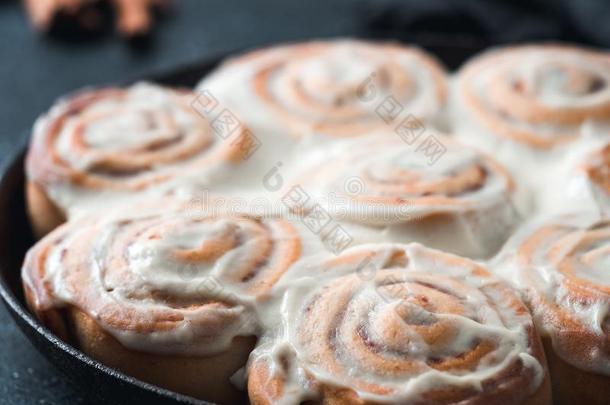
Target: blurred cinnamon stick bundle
point(133, 17)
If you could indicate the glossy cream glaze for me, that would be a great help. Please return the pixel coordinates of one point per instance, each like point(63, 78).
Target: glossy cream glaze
point(370, 321)
point(331, 88)
point(561, 265)
point(537, 109)
point(105, 144)
point(163, 277)
point(380, 182)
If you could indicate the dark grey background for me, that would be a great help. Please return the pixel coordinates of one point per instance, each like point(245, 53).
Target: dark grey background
point(36, 69)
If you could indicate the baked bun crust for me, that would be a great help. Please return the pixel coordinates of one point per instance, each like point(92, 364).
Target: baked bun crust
point(199, 377)
point(43, 214)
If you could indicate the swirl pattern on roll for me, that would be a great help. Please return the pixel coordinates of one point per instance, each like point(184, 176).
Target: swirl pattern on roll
point(536, 95)
point(562, 263)
point(124, 140)
point(382, 180)
point(334, 87)
point(160, 278)
point(398, 324)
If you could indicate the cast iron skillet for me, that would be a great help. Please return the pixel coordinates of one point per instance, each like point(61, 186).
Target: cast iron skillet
point(102, 383)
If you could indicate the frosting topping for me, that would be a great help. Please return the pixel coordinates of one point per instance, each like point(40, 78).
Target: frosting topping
point(328, 87)
point(396, 323)
point(561, 262)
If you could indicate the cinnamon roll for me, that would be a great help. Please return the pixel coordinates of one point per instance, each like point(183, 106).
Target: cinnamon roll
point(339, 88)
point(536, 95)
point(437, 192)
point(399, 324)
point(561, 265)
point(163, 292)
point(104, 143)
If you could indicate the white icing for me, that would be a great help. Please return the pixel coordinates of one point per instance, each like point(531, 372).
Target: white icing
point(332, 75)
point(574, 255)
point(545, 76)
point(144, 116)
point(366, 306)
point(381, 182)
point(129, 258)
